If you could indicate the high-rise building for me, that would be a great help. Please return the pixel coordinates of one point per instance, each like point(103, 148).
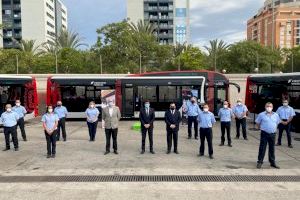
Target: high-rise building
point(37, 20)
point(276, 24)
point(170, 17)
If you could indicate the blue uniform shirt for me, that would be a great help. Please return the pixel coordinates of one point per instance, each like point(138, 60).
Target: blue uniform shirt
point(9, 119)
point(92, 113)
point(61, 111)
point(20, 110)
point(268, 123)
point(238, 110)
point(193, 109)
point(50, 120)
point(225, 114)
point(206, 119)
point(285, 112)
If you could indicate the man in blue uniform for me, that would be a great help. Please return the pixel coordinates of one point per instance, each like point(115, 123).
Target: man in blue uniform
point(193, 112)
point(21, 111)
point(225, 115)
point(206, 120)
point(62, 113)
point(286, 114)
point(267, 122)
point(9, 120)
point(240, 112)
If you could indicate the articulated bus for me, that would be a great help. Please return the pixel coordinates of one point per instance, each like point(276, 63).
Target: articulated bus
point(129, 92)
point(23, 88)
point(274, 88)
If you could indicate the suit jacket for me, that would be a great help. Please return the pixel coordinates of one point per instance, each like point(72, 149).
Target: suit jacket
point(111, 122)
point(147, 119)
point(172, 119)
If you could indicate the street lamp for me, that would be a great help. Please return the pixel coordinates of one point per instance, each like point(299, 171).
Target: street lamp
point(56, 63)
point(224, 71)
point(256, 70)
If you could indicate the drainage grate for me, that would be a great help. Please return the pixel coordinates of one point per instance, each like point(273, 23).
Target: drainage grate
point(140, 178)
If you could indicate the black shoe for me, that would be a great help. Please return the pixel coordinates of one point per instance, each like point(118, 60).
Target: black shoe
point(6, 149)
point(200, 155)
point(275, 166)
point(152, 152)
point(25, 139)
point(176, 152)
point(189, 138)
point(211, 156)
point(116, 152)
point(16, 149)
point(278, 144)
point(229, 145)
point(53, 156)
point(106, 152)
point(143, 151)
point(196, 138)
point(48, 156)
point(237, 137)
point(291, 146)
point(258, 166)
point(222, 144)
point(57, 139)
point(91, 140)
point(245, 138)
point(168, 152)
point(65, 139)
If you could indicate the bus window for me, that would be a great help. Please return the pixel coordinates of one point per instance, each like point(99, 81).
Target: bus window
point(169, 94)
point(220, 98)
point(147, 93)
point(294, 96)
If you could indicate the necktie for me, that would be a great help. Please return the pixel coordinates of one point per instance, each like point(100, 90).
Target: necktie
point(148, 111)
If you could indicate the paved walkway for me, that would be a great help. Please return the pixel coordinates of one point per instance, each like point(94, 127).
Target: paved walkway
point(78, 156)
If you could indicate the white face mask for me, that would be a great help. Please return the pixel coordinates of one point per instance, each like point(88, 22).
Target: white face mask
point(110, 104)
point(205, 109)
point(269, 109)
point(225, 106)
point(50, 110)
point(285, 104)
point(239, 103)
point(18, 104)
point(8, 109)
point(92, 106)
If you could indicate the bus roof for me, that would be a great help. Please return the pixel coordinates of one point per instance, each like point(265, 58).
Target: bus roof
point(275, 75)
point(287, 78)
point(14, 80)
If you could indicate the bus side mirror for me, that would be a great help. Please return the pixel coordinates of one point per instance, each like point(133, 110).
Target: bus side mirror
point(236, 85)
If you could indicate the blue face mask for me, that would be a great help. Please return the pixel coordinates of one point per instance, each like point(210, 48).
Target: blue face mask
point(147, 105)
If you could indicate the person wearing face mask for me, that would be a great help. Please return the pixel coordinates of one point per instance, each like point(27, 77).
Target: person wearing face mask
point(172, 119)
point(92, 114)
point(147, 117)
point(111, 116)
point(240, 112)
point(50, 123)
point(267, 122)
point(21, 111)
point(286, 114)
point(62, 113)
point(225, 115)
point(9, 120)
point(206, 120)
point(193, 112)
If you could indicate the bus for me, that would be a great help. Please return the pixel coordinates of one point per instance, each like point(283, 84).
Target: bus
point(274, 88)
point(23, 88)
point(130, 91)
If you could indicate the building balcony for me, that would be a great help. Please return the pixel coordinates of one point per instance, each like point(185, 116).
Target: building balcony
point(165, 35)
point(166, 26)
point(17, 7)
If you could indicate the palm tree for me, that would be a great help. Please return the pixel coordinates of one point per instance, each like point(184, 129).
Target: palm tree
point(216, 48)
point(65, 39)
point(142, 27)
point(29, 46)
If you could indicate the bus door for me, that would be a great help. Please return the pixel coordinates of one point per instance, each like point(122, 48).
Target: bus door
point(219, 97)
point(129, 104)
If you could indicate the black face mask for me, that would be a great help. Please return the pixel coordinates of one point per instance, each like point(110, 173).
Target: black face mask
point(172, 108)
point(193, 101)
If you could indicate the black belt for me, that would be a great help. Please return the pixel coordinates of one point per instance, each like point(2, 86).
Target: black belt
point(285, 120)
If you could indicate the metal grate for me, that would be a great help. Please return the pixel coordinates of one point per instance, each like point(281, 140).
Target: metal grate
point(140, 178)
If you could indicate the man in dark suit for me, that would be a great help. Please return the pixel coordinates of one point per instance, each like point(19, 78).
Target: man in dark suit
point(172, 119)
point(147, 117)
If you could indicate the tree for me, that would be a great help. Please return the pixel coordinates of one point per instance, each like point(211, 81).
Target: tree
point(292, 59)
point(216, 50)
point(192, 59)
point(142, 27)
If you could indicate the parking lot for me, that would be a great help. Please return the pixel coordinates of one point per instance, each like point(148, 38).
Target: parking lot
point(78, 156)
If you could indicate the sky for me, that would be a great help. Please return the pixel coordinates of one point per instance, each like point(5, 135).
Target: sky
point(210, 19)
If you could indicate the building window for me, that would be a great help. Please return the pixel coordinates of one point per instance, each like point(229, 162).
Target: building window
point(49, 24)
point(50, 7)
point(50, 16)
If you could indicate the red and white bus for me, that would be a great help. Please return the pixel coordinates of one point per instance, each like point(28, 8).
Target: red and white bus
point(274, 88)
point(130, 91)
point(23, 88)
